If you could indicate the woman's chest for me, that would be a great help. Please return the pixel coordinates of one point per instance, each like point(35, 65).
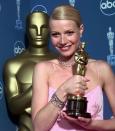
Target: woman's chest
point(59, 76)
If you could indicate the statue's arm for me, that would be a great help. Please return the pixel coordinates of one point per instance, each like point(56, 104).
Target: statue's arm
point(17, 100)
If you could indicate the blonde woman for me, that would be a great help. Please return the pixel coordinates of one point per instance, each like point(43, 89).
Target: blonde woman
point(53, 80)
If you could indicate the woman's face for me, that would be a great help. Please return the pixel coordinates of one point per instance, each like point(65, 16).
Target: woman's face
point(65, 36)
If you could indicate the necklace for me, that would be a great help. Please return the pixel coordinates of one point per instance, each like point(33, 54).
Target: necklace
point(64, 63)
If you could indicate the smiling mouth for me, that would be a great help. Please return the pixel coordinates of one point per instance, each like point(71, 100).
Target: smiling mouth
point(64, 48)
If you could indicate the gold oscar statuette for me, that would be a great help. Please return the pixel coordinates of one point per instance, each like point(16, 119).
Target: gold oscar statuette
point(77, 104)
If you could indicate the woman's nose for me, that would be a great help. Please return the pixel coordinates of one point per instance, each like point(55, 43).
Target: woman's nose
point(63, 39)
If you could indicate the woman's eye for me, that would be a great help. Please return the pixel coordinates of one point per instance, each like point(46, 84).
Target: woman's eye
point(55, 34)
point(69, 33)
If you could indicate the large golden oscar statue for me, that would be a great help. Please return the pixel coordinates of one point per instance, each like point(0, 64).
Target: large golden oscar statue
point(18, 71)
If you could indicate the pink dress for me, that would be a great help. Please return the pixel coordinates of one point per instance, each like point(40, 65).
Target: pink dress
point(95, 107)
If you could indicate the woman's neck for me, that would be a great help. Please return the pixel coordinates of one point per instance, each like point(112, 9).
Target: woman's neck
point(66, 61)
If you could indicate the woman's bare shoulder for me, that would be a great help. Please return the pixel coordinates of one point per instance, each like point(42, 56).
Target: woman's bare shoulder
point(46, 64)
point(103, 67)
point(98, 63)
point(102, 64)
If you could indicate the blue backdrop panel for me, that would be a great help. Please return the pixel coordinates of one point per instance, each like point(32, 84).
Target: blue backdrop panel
point(98, 18)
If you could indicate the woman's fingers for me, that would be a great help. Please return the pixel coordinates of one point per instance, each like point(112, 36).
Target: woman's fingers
point(84, 121)
point(80, 85)
point(75, 85)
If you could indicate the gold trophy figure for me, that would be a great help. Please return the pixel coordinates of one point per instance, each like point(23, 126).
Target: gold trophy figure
point(18, 71)
point(77, 104)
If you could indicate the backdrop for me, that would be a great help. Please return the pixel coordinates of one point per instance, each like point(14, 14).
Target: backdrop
point(99, 21)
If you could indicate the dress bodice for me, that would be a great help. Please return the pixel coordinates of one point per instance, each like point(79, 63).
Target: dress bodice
point(94, 106)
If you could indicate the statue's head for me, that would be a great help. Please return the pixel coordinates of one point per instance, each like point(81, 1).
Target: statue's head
point(81, 56)
point(37, 29)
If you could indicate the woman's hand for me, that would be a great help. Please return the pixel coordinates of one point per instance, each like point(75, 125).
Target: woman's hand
point(83, 122)
point(75, 85)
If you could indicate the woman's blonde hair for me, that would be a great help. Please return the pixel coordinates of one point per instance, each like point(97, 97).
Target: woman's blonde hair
point(66, 12)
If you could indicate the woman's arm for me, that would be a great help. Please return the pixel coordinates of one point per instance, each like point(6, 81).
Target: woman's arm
point(44, 113)
point(107, 78)
point(109, 84)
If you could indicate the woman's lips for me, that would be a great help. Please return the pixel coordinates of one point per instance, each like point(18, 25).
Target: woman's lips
point(64, 48)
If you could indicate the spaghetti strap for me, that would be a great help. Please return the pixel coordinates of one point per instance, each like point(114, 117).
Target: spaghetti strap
point(98, 74)
point(91, 60)
point(96, 69)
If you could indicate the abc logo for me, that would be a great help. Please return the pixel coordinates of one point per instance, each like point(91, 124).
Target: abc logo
point(39, 8)
point(18, 47)
point(107, 7)
point(1, 91)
